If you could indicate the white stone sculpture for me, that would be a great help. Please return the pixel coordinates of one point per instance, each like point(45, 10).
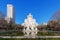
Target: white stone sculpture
point(30, 24)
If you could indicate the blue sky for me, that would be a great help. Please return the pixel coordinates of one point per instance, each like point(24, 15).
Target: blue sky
point(41, 10)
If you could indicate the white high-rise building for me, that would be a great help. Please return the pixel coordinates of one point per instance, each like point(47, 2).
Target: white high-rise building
point(10, 13)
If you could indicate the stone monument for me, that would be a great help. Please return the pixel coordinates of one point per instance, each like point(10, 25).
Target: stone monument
point(30, 24)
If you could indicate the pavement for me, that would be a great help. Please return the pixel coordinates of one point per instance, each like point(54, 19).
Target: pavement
point(29, 36)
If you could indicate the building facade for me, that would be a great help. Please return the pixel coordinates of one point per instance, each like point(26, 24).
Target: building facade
point(10, 17)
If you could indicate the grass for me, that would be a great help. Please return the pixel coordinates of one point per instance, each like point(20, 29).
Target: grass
point(48, 34)
point(12, 34)
point(18, 33)
point(32, 39)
